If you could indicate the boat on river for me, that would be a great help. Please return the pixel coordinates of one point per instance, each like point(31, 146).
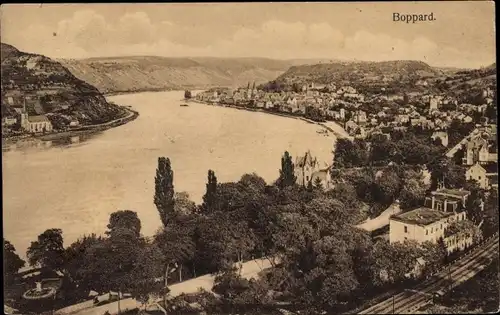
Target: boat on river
point(184, 105)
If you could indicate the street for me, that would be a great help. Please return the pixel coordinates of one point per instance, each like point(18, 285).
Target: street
point(250, 269)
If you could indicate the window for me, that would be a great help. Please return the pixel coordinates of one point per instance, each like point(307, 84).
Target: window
point(479, 177)
point(426, 232)
point(432, 230)
point(406, 229)
point(406, 238)
point(441, 226)
point(307, 178)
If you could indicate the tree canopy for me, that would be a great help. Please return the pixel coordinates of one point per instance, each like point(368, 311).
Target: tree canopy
point(164, 190)
point(11, 261)
point(48, 250)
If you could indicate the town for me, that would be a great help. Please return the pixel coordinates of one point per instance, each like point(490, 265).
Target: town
point(360, 114)
point(277, 159)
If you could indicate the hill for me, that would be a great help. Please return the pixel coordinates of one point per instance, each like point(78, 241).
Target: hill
point(146, 73)
point(468, 85)
point(394, 76)
point(51, 88)
point(358, 73)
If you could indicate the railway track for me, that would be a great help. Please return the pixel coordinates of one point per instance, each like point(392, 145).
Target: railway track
point(464, 269)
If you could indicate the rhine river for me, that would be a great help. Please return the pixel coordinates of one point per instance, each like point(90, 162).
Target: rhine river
point(75, 186)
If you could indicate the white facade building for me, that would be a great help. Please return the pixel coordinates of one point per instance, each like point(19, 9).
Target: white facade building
point(425, 224)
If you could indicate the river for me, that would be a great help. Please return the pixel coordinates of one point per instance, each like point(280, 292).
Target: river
point(76, 184)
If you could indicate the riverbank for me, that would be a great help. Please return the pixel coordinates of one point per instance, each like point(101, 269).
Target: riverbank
point(88, 129)
point(171, 89)
point(330, 126)
point(134, 92)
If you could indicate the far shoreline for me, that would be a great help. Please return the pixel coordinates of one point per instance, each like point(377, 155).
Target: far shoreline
point(83, 130)
point(176, 89)
point(337, 134)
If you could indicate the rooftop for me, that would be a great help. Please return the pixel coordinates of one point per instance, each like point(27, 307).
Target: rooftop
point(421, 216)
point(491, 167)
point(443, 198)
point(452, 192)
point(38, 118)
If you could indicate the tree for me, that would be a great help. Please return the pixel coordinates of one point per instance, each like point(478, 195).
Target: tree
point(108, 264)
point(222, 242)
point(287, 173)
point(11, 261)
point(183, 205)
point(177, 247)
point(345, 193)
point(413, 189)
point(210, 199)
point(491, 111)
point(382, 150)
point(458, 130)
point(444, 171)
point(491, 215)
point(296, 87)
point(75, 257)
point(350, 154)
point(325, 211)
point(164, 190)
point(459, 155)
point(292, 232)
point(124, 219)
point(434, 255)
point(253, 182)
point(387, 187)
point(187, 94)
point(48, 250)
point(475, 204)
point(318, 184)
point(230, 284)
point(147, 274)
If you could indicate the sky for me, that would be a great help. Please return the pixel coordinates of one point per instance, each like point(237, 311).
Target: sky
point(462, 35)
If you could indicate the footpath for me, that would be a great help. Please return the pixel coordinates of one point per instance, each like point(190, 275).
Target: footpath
point(250, 269)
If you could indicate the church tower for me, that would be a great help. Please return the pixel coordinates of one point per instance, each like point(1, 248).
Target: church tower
point(248, 90)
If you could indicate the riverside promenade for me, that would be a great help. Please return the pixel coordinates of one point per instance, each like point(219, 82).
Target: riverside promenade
point(250, 269)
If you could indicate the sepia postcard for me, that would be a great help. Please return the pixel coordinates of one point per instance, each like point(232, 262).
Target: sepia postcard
point(250, 158)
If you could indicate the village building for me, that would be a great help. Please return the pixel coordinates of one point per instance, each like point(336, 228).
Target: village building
point(308, 171)
point(351, 127)
point(434, 102)
point(360, 133)
point(485, 175)
point(425, 224)
point(360, 117)
point(9, 121)
point(441, 135)
point(447, 200)
point(477, 149)
point(35, 124)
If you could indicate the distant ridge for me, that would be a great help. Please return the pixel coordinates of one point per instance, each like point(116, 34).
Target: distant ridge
point(145, 73)
point(357, 71)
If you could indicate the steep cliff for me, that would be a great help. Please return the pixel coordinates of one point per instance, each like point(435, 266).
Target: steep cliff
point(50, 88)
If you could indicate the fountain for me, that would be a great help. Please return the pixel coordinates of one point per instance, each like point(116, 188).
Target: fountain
point(39, 293)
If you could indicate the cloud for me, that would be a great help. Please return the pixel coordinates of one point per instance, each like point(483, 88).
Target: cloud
point(87, 34)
